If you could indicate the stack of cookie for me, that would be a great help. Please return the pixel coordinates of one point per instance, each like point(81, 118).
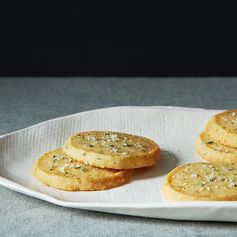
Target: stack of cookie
point(95, 160)
point(216, 180)
point(218, 143)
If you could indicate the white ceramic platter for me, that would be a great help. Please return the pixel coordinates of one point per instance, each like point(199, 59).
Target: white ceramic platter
point(174, 129)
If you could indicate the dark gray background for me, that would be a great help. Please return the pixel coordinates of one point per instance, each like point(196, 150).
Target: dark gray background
point(163, 38)
point(26, 101)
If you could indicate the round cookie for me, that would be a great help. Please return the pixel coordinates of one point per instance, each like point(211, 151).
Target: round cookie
point(60, 171)
point(215, 152)
point(112, 150)
point(201, 181)
point(223, 128)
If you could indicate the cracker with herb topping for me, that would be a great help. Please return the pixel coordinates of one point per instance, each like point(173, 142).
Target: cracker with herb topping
point(202, 182)
point(58, 170)
point(112, 150)
point(215, 152)
point(223, 128)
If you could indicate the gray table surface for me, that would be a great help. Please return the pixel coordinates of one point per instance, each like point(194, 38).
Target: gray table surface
point(26, 101)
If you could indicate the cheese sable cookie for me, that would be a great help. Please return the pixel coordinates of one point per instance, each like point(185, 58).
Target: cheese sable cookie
point(223, 128)
point(58, 170)
point(215, 152)
point(112, 150)
point(201, 181)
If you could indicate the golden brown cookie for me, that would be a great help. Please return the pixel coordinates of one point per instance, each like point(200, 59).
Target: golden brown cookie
point(215, 152)
point(223, 128)
point(112, 150)
point(201, 181)
point(58, 170)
